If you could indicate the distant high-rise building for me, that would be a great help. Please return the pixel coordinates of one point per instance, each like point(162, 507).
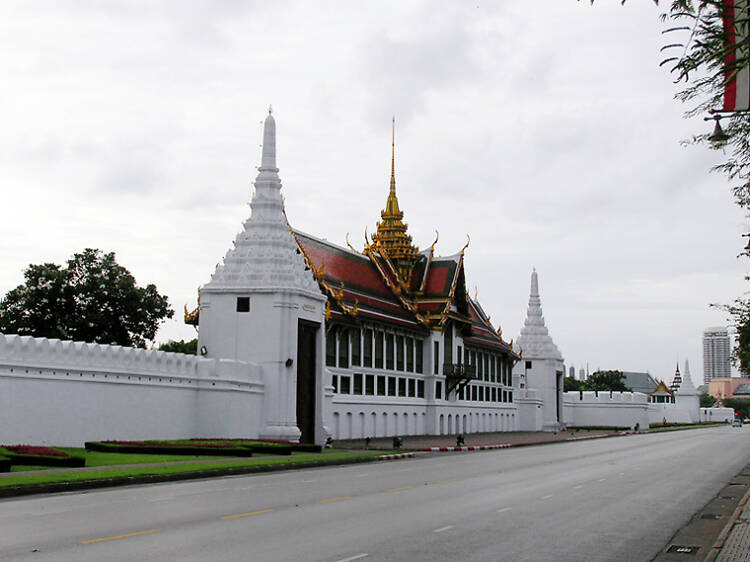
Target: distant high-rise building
point(716, 349)
point(572, 372)
point(581, 374)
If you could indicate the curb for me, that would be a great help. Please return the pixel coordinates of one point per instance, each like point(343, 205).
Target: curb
point(719, 544)
point(395, 457)
point(467, 448)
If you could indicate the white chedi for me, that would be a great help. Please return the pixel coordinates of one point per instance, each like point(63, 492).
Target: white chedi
point(535, 341)
point(265, 255)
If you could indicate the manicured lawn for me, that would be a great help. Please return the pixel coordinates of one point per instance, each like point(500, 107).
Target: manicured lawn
point(330, 456)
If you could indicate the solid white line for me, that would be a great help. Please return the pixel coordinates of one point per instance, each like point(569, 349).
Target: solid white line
point(441, 529)
point(504, 509)
point(356, 557)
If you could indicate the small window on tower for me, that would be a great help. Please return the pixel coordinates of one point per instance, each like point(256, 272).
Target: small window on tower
point(243, 304)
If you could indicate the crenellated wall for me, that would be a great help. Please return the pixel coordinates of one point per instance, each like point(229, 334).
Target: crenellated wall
point(65, 393)
point(621, 409)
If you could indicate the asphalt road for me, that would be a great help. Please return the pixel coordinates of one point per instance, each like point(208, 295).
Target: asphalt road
point(607, 499)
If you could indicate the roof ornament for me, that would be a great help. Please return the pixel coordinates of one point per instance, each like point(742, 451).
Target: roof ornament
point(468, 241)
point(270, 109)
point(349, 243)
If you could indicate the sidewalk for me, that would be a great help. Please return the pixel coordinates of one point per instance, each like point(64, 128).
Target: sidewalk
point(513, 438)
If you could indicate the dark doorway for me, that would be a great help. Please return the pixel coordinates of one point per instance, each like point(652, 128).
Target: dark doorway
point(306, 387)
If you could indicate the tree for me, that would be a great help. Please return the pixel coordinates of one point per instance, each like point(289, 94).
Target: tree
point(92, 299)
point(188, 347)
point(571, 384)
point(607, 380)
point(742, 407)
point(707, 401)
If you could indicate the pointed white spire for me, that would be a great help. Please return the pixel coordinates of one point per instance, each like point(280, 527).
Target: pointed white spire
point(265, 254)
point(687, 388)
point(268, 159)
point(535, 341)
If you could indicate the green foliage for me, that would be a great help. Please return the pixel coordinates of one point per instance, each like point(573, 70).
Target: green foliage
point(697, 36)
point(187, 347)
point(571, 384)
point(91, 299)
point(707, 401)
point(606, 381)
point(742, 407)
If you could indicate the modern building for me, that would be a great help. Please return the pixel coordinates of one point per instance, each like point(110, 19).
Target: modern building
point(726, 387)
point(716, 353)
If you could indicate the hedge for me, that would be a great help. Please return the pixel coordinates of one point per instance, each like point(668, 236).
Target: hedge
point(165, 448)
point(5, 463)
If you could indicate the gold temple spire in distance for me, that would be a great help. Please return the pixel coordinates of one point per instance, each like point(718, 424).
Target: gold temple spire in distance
point(391, 230)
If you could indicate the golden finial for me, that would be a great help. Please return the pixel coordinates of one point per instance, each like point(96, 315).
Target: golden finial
point(476, 293)
point(499, 332)
point(393, 155)
point(328, 311)
point(437, 236)
point(349, 243)
point(468, 241)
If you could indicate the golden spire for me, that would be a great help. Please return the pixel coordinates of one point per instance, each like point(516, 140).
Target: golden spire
point(391, 230)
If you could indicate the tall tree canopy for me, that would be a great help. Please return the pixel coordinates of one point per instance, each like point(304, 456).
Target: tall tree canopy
point(607, 380)
point(91, 299)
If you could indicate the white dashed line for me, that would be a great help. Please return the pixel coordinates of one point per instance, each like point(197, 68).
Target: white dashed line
point(355, 557)
point(578, 487)
point(602, 479)
point(548, 496)
point(441, 529)
point(504, 509)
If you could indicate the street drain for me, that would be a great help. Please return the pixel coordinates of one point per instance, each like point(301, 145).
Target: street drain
point(711, 516)
point(681, 549)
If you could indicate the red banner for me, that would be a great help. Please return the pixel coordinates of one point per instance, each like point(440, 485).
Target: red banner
point(737, 87)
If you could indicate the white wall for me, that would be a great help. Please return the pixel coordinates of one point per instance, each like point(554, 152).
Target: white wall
point(620, 409)
point(64, 393)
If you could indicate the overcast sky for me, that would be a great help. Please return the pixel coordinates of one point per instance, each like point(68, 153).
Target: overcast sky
point(549, 135)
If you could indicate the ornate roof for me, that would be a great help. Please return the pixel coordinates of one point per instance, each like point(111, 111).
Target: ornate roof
point(391, 240)
point(535, 341)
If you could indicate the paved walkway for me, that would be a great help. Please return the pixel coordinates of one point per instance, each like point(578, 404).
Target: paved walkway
point(421, 442)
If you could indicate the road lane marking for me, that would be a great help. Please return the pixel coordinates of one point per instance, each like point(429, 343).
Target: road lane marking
point(338, 499)
point(504, 509)
point(441, 529)
point(486, 474)
point(446, 481)
point(248, 514)
point(355, 557)
point(548, 496)
point(118, 537)
point(399, 489)
point(362, 475)
point(578, 487)
point(602, 479)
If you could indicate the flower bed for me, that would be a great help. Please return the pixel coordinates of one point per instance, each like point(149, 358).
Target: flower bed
point(39, 456)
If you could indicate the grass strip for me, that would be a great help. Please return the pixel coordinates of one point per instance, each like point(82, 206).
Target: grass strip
point(81, 476)
point(680, 427)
